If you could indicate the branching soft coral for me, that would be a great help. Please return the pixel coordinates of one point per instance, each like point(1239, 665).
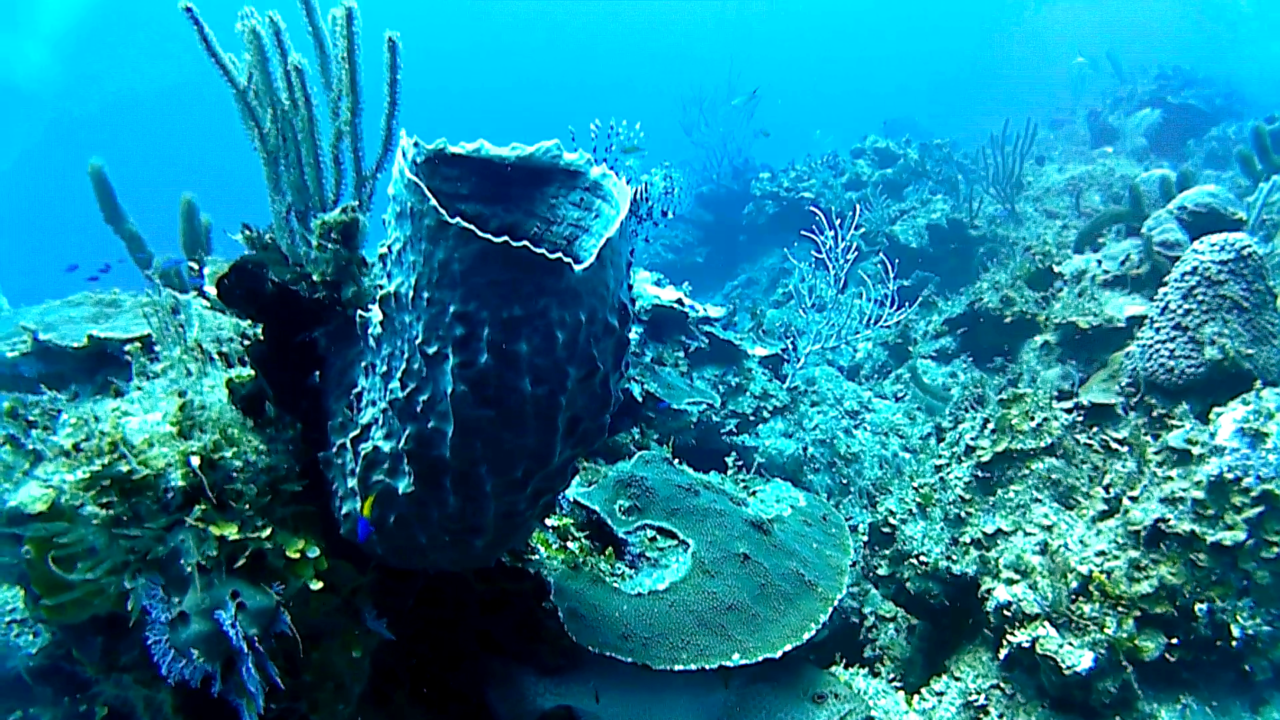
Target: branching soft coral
point(836, 304)
point(271, 84)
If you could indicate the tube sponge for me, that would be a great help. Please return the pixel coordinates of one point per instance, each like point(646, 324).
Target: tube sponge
point(195, 231)
point(116, 218)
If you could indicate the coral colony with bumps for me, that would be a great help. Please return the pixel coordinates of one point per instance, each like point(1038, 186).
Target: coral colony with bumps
point(997, 437)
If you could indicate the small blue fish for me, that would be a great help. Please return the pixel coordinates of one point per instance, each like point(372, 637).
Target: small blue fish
point(93, 278)
point(364, 523)
point(178, 268)
point(745, 100)
point(71, 268)
point(377, 624)
point(663, 404)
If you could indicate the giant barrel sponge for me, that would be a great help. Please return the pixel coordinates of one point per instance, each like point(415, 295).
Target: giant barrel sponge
point(491, 355)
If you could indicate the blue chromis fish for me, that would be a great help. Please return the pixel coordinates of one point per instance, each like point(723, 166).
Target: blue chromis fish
point(364, 523)
point(747, 99)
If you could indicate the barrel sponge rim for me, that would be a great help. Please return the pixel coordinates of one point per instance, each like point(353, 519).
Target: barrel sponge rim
point(759, 572)
point(550, 153)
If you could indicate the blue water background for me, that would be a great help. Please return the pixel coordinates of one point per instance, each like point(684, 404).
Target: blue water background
point(125, 80)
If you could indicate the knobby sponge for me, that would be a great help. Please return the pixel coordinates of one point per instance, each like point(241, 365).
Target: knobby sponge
point(491, 356)
point(709, 575)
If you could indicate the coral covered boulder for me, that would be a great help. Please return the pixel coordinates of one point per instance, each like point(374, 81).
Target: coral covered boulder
point(491, 356)
point(1214, 328)
point(705, 574)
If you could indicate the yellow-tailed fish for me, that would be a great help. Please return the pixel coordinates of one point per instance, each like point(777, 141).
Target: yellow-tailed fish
point(364, 524)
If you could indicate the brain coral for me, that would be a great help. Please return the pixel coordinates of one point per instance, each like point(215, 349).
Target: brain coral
point(709, 575)
point(1214, 324)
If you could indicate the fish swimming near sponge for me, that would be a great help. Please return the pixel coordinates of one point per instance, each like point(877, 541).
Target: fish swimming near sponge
point(364, 530)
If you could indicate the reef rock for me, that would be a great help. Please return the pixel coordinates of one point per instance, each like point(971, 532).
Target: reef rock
point(1199, 211)
point(599, 687)
point(75, 344)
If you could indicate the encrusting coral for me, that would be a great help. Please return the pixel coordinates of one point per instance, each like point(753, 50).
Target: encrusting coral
point(694, 573)
point(161, 484)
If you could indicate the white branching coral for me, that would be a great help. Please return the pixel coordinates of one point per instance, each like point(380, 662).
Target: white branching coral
point(836, 303)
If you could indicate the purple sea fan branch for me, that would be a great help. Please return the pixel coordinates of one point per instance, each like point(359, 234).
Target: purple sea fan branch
point(175, 666)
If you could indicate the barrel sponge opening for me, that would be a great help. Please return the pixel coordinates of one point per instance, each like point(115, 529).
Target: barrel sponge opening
point(558, 203)
point(709, 574)
point(492, 355)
